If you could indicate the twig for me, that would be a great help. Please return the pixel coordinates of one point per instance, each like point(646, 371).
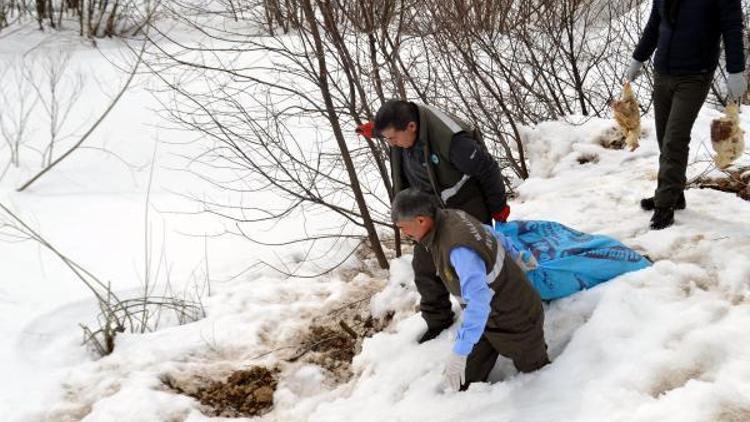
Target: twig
point(348, 329)
point(310, 347)
point(350, 304)
point(85, 136)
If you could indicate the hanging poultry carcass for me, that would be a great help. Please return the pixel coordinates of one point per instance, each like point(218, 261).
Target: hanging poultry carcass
point(628, 116)
point(727, 137)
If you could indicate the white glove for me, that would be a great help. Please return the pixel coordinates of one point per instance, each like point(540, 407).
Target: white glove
point(455, 372)
point(633, 70)
point(736, 86)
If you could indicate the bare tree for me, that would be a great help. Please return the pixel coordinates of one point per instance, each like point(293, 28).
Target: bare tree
point(53, 109)
point(327, 64)
point(537, 61)
point(95, 18)
point(17, 103)
point(248, 111)
point(58, 90)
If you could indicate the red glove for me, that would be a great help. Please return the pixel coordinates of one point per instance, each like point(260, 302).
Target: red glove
point(365, 129)
point(502, 215)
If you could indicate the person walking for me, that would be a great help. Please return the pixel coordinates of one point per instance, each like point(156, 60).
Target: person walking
point(686, 36)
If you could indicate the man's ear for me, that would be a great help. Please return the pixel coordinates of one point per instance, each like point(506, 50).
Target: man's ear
point(411, 126)
point(421, 220)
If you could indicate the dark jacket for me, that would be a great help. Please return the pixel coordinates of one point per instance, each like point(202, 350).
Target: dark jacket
point(449, 162)
point(686, 33)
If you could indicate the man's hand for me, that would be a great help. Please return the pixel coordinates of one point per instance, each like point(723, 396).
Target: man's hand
point(455, 372)
point(365, 129)
point(502, 215)
point(736, 86)
point(634, 70)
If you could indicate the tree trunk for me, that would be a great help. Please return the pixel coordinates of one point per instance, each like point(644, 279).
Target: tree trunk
point(372, 233)
point(40, 12)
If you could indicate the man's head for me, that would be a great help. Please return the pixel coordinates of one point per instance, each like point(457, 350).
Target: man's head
point(413, 212)
point(396, 121)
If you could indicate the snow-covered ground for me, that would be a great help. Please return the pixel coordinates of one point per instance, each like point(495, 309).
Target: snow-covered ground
point(667, 343)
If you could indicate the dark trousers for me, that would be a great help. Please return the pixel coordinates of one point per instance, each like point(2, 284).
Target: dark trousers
point(523, 342)
point(434, 304)
point(677, 101)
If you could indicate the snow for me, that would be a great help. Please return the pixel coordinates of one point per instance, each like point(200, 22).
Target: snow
point(666, 343)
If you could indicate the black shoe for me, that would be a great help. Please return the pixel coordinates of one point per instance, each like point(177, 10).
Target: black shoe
point(430, 334)
point(648, 203)
point(663, 218)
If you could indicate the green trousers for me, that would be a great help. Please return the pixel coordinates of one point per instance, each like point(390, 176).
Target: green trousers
point(677, 101)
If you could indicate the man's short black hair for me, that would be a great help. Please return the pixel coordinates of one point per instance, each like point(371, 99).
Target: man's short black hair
point(412, 203)
point(396, 114)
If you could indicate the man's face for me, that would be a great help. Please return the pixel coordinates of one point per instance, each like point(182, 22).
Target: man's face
point(417, 228)
point(401, 138)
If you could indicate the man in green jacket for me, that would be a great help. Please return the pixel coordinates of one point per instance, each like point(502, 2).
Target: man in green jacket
point(439, 154)
point(503, 314)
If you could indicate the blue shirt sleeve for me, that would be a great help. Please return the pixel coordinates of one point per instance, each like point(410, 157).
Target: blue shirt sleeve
point(508, 246)
point(476, 293)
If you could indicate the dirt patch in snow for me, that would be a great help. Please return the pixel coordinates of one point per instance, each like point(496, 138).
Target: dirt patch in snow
point(733, 413)
point(330, 341)
point(588, 158)
point(247, 392)
point(331, 349)
point(675, 378)
point(334, 341)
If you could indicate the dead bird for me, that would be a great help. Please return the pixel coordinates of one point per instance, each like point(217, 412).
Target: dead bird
point(727, 137)
point(628, 116)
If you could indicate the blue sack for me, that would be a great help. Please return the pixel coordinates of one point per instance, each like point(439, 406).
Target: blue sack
point(568, 261)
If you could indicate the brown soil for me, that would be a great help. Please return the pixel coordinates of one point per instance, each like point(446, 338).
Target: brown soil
point(733, 182)
point(330, 349)
point(332, 345)
point(331, 341)
point(247, 392)
point(588, 158)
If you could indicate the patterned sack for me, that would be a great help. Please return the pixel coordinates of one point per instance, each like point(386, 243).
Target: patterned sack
point(567, 261)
